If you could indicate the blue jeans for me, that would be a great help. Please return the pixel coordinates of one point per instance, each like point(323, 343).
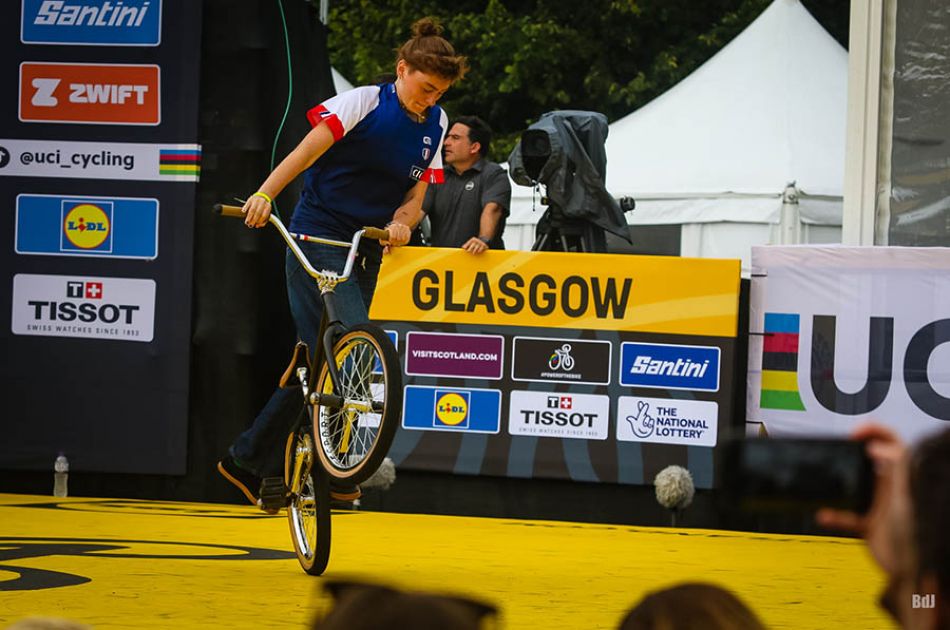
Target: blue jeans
point(260, 449)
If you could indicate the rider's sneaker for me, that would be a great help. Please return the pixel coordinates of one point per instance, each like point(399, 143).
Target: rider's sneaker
point(247, 482)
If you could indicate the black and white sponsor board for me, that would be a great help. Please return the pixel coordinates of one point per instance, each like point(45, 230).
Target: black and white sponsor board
point(98, 168)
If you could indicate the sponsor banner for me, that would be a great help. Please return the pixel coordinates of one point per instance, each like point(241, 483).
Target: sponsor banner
point(100, 160)
point(451, 409)
point(393, 337)
point(117, 94)
point(454, 355)
point(655, 294)
point(121, 309)
point(560, 415)
point(76, 225)
point(669, 366)
point(849, 334)
point(667, 421)
point(92, 22)
point(546, 359)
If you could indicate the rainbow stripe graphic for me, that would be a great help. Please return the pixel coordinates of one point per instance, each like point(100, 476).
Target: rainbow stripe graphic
point(780, 363)
point(179, 162)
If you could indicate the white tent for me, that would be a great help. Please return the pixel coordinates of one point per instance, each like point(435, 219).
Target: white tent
point(716, 153)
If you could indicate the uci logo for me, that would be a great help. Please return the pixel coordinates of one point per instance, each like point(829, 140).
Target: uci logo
point(880, 366)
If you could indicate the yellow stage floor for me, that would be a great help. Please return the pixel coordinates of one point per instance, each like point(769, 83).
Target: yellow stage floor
point(142, 564)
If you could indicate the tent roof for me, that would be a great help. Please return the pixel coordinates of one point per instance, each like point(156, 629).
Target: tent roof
point(768, 109)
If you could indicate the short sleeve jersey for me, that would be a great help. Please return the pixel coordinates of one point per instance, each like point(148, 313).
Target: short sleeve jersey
point(378, 154)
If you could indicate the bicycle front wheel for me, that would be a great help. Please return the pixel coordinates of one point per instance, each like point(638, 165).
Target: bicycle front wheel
point(354, 434)
point(308, 511)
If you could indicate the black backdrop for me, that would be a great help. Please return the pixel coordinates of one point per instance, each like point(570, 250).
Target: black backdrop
point(241, 332)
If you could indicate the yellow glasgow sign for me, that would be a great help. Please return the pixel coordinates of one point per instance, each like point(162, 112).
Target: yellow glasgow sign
point(657, 294)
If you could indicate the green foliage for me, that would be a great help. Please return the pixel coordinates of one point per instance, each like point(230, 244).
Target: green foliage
point(528, 57)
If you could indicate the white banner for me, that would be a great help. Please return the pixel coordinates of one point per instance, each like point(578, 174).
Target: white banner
point(100, 160)
point(558, 414)
point(843, 335)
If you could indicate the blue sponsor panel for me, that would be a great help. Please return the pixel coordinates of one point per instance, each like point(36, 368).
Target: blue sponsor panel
point(393, 337)
point(451, 409)
point(92, 22)
point(667, 366)
point(118, 227)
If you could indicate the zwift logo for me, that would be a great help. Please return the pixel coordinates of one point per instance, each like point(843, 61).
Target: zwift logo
point(92, 22)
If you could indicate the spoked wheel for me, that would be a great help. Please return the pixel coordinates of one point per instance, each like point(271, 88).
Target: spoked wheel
point(354, 427)
point(308, 509)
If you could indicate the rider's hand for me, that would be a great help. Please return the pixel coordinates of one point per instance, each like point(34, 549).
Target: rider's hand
point(475, 245)
point(399, 234)
point(256, 211)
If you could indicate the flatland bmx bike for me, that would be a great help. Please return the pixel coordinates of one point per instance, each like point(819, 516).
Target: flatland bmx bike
point(352, 397)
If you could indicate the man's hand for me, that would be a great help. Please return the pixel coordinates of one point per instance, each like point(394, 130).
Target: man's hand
point(399, 234)
point(475, 245)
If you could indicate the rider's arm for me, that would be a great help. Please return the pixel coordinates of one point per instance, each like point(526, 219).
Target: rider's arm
point(408, 215)
point(313, 145)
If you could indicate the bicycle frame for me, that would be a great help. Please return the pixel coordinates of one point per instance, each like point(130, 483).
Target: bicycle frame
point(326, 280)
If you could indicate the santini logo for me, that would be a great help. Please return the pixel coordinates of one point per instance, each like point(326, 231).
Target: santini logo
point(669, 367)
point(95, 22)
point(107, 14)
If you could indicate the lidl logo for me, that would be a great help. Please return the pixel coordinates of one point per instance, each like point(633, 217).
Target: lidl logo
point(88, 226)
point(451, 408)
point(467, 410)
point(117, 94)
point(118, 227)
point(92, 22)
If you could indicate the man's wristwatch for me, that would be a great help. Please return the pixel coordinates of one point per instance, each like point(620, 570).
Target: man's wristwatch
point(483, 239)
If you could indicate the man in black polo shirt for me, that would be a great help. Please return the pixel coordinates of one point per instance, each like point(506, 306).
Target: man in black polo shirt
point(469, 209)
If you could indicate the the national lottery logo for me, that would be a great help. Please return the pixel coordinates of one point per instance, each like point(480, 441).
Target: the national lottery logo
point(667, 421)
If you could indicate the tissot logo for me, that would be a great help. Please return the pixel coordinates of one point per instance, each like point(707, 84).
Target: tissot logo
point(92, 22)
point(102, 308)
point(576, 416)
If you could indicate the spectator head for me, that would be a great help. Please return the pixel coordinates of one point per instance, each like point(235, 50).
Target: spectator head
point(360, 606)
point(478, 132)
point(689, 606)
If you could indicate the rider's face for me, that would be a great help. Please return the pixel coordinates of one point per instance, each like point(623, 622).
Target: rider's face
point(418, 90)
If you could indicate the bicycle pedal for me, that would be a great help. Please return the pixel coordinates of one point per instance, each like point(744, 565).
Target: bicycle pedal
point(274, 494)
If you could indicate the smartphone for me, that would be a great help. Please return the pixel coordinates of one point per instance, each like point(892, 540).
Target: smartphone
point(797, 475)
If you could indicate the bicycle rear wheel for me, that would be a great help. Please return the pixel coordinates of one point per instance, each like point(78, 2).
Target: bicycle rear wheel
point(308, 511)
point(354, 435)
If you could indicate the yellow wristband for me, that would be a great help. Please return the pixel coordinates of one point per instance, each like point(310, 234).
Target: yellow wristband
point(263, 196)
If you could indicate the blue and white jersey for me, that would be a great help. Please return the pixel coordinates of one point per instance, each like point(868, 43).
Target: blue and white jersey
point(378, 154)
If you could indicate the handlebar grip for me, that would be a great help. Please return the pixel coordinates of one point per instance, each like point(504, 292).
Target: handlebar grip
point(376, 234)
point(228, 211)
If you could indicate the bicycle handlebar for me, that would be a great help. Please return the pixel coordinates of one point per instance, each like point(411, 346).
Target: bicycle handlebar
point(374, 233)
